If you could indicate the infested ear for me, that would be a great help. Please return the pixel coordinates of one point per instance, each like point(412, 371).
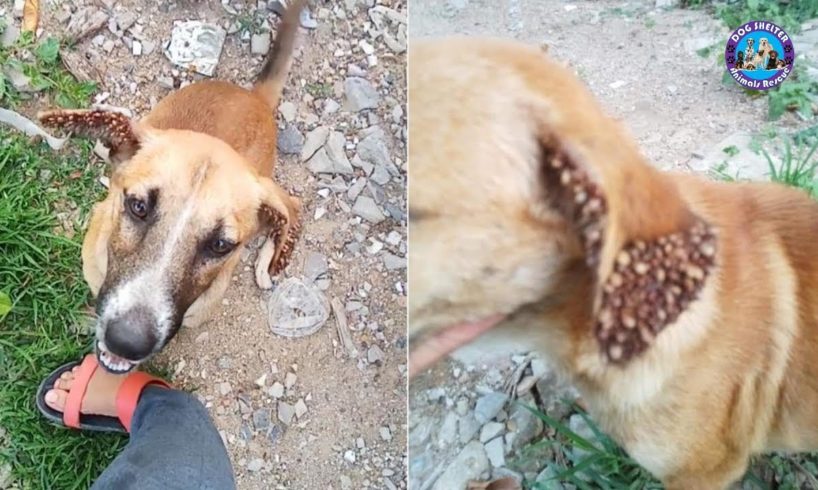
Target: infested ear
point(648, 252)
point(116, 130)
point(279, 213)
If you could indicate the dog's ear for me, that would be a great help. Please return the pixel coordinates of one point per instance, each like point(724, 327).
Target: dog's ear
point(649, 254)
point(279, 213)
point(116, 130)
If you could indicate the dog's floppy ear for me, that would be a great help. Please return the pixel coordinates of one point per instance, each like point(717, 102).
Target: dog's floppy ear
point(116, 130)
point(649, 254)
point(280, 214)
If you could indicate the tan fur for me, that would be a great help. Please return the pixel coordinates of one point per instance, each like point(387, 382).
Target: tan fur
point(734, 375)
point(210, 152)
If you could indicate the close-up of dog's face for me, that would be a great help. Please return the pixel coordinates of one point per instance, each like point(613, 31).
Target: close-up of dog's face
point(178, 211)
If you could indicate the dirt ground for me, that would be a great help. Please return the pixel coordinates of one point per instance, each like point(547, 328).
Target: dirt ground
point(353, 433)
point(641, 63)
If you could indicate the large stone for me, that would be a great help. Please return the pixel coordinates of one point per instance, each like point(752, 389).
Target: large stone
point(315, 140)
point(366, 208)
point(290, 140)
point(488, 406)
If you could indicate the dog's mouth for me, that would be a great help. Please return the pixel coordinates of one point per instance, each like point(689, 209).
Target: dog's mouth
point(113, 363)
point(428, 348)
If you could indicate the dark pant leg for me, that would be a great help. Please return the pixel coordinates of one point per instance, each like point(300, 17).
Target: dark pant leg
point(174, 446)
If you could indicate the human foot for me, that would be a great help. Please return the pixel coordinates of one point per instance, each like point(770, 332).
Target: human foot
point(100, 396)
point(85, 396)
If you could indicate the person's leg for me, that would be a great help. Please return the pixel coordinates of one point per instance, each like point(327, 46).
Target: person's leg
point(174, 445)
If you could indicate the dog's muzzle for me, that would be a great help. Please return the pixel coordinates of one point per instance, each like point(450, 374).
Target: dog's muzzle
point(127, 340)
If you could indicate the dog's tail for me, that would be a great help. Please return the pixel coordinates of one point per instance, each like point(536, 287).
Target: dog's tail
point(270, 81)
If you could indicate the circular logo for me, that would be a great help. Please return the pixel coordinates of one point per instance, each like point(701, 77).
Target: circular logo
point(759, 55)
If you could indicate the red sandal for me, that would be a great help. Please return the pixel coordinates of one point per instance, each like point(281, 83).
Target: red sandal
point(126, 398)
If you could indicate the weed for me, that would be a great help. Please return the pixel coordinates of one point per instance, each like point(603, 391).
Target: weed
point(650, 23)
point(797, 168)
point(796, 94)
point(319, 90)
point(39, 63)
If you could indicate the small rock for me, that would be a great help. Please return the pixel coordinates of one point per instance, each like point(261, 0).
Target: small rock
point(225, 388)
point(495, 452)
point(490, 431)
point(468, 427)
point(393, 262)
point(366, 208)
point(255, 465)
point(148, 46)
point(315, 265)
point(261, 419)
point(9, 35)
point(289, 380)
point(285, 412)
point(300, 408)
point(315, 140)
point(331, 107)
point(618, 84)
point(346, 483)
point(488, 406)
point(125, 20)
point(260, 43)
point(448, 429)
point(349, 456)
point(360, 94)
point(385, 433)
point(290, 140)
point(288, 112)
point(85, 22)
point(374, 354)
point(277, 390)
point(136, 48)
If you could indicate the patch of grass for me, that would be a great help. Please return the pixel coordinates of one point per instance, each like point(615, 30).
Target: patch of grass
point(650, 23)
point(601, 464)
point(40, 270)
point(319, 90)
point(789, 14)
point(798, 93)
point(40, 62)
point(796, 168)
point(591, 461)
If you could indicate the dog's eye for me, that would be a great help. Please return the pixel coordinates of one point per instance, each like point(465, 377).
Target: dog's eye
point(137, 207)
point(220, 246)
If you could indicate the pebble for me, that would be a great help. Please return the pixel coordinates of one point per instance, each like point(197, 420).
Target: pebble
point(495, 452)
point(260, 43)
point(225, 388)
point(366, 208)
point(360, 94)
point(255, 465)
point(349, 456)
point(289, 380)
point(290, 140)
point(488, 406)
point(285, 413)
point(448, 429)
point(277, 390)
point(300, 408)
point(385, 433)
point(315, 139)
point(261, 418)
point(490, 431)
point(288, 111)
point(315, 265)
point(374, 354)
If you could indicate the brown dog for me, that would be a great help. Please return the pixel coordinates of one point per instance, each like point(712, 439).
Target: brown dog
point(685, 310)
point(191, 184)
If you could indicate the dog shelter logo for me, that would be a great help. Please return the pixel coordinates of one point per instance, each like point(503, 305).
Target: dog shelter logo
point(759, 55)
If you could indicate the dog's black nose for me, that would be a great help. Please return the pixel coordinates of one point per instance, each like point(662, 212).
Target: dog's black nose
point(132, 334)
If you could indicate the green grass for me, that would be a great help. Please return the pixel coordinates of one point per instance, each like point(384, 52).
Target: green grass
point(603, 465)
point(40, 62)
point(40, 270)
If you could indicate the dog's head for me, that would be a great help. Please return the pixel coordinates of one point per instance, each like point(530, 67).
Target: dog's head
point(180, 206)
point(525, 197)
point(763, 45)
